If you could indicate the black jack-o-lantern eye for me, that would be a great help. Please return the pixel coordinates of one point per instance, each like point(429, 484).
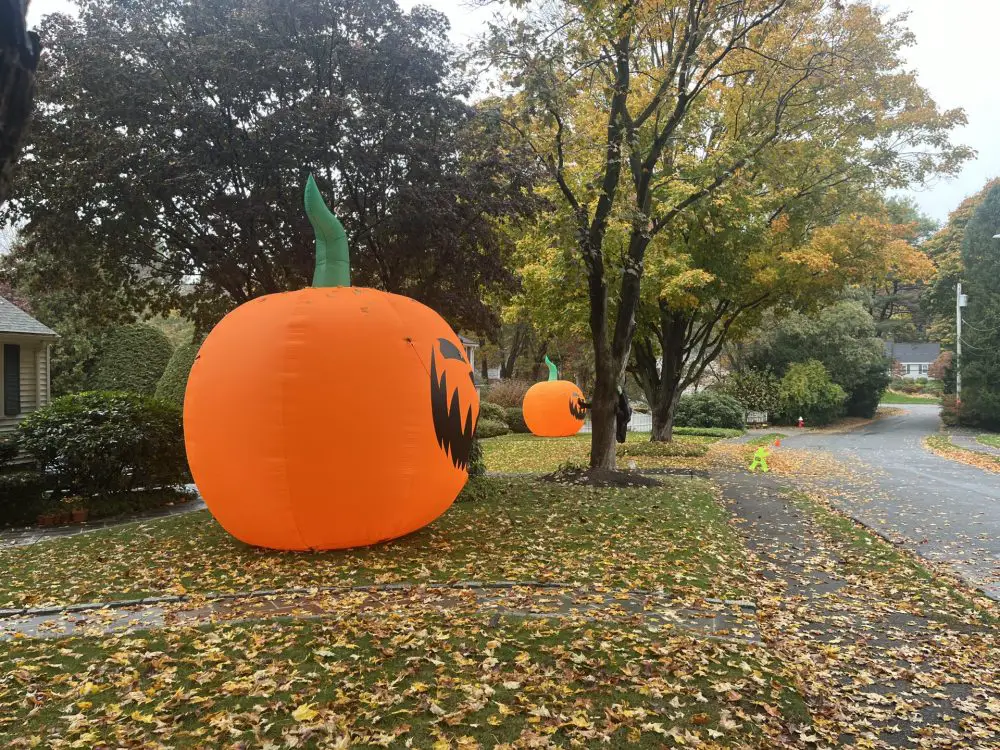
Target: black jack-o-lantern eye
point(454, 434)
point(450, 351)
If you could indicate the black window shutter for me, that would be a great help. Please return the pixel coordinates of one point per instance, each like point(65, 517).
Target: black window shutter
point(11, 380)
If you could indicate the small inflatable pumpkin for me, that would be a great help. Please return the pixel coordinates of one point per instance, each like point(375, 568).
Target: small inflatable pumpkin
point(330, 417)
point(554, 408)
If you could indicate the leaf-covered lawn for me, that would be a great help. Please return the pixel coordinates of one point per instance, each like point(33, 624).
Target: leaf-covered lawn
point(520, 453)
point(676, 537)
point(399, 679)
point(989, 439)
point(942, 446)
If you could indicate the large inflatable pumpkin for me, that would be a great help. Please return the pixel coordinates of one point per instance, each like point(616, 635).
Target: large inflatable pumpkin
point(330, 417)
point(554, 408)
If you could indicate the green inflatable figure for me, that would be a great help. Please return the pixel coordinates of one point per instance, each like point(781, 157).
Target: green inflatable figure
point(760, 460)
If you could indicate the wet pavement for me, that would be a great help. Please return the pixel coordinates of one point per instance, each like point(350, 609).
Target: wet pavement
point(946, 511)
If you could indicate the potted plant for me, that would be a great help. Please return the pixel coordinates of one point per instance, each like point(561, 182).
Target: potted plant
point(79, 512)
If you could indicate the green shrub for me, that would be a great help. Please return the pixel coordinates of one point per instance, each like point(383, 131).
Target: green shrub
point(102, 443)
point(477, 465)
point(921, 380)
point(808, 392)
point(10, 447)
point(950, 411)
point(867, 388)
point(132, 358)
point(710, 409)
point(661, 449)
point(718, 432)
point(756, 390)
point(508, 393)
point(479, 489)
point(487, 428)
point(22, 497)
point(515, 420)
point(492, 412)
point(173, 382)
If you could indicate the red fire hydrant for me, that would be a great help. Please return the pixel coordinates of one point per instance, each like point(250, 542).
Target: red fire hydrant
point(801, 422)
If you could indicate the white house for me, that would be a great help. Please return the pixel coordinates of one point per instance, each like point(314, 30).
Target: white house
point(914, 360)
point(470, 346)
point(24, 351)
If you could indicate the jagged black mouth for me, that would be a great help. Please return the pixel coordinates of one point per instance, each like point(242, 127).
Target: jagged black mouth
point(576, 408)
point(454, 435)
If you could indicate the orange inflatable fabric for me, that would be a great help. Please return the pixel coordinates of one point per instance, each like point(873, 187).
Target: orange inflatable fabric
point(329, 417)
point(553, 408)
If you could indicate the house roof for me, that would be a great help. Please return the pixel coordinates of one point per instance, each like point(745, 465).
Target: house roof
point(466, 341)
point(15, 320)
point(904, 352)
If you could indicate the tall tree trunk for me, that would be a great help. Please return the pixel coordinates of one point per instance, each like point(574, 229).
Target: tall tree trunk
point(517, 343)
point(602, 419)
point(538, 356)
point(663, 416)
point(664, 382)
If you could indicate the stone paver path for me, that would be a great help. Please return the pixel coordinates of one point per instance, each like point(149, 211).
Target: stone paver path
point(655, 610)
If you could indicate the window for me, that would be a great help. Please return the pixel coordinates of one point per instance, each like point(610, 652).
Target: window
point(910, 370)
point(923, 369)
point(11, 380)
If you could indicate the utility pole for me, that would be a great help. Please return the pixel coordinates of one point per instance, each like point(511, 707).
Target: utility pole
point(961, 300)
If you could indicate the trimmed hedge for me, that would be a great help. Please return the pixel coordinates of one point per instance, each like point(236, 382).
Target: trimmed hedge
point(492, 412)
point(488, 428)
point(710, 409)
point(103, 443)
point(718, 432)
point(132, 358)
point(515, 419)
point(22, 497)
point(173, 383)
point(662, 449)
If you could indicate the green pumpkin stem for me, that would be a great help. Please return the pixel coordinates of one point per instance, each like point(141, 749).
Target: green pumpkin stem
point(553, 372)
point(333, 260)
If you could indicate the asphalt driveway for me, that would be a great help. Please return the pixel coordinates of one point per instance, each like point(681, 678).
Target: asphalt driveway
point(947, 511)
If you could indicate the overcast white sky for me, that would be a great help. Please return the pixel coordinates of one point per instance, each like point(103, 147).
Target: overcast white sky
point(955, 59)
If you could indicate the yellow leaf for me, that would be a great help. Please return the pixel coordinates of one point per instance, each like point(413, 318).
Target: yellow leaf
point(88, 688)
point(305, 712)
point(144, 718)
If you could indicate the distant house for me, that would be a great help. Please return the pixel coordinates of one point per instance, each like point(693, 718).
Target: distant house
point(24, 351)
point(470, 346)
point(912, 360)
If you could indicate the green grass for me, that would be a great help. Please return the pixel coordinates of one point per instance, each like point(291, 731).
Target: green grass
point(894, 397)
point(766, 439)
point(521, 453)
point(676, 536)
point(393, 678)
point(989, 439)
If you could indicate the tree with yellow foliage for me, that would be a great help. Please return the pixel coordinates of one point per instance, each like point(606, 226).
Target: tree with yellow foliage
point(645, 112)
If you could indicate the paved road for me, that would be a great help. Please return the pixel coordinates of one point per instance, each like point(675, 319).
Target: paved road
point(947, 511)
